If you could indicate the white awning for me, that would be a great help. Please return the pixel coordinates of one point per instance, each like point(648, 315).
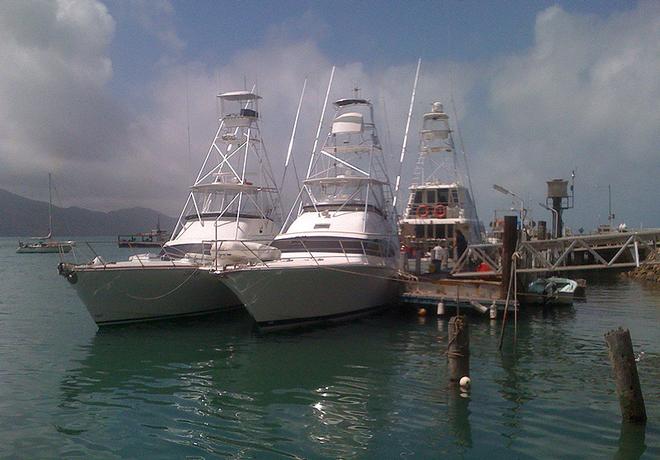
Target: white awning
point(239, 96)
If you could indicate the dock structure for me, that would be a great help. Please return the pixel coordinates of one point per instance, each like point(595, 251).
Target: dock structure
point(612, 250)
point(446, 296)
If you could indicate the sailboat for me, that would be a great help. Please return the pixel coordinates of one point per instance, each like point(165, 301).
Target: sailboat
point(339, 255)
point(46, 244)
point(229, 217)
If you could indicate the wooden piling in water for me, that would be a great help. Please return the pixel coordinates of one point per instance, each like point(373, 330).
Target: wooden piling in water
point(622, 357)
point(509, 241)
point(458, 349)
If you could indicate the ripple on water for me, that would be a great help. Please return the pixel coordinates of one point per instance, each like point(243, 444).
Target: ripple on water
point(375, 388)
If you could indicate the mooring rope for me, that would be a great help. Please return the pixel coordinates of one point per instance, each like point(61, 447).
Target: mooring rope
point(172, 291)
point(459, 326)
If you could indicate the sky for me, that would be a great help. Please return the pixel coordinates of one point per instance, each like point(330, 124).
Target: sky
point(117, 98)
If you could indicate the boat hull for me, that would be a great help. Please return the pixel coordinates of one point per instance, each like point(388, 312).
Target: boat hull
point(562, 299)
point(133, 294)
point(45, 249)
point(282, 297)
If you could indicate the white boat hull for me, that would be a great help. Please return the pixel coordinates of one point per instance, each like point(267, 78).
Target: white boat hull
point(51, 248)
point(132, 294)
point(279, 297)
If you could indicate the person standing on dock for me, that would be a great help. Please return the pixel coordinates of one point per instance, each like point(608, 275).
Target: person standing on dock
point(439, 256)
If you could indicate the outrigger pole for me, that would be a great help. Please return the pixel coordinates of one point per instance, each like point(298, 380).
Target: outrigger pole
point(316, 140)
point(293, 133)
point(318, 130)
point(405, 136)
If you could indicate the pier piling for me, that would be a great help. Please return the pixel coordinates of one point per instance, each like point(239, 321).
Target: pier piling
point(458, 349)
point(509, 241)
point(620, 349)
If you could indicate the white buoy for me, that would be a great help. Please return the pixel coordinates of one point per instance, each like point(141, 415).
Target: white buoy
point(493, 311)
point(465, 382)
point(441, 309)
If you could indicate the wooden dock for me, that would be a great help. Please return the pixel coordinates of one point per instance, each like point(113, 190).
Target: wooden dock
point(446, 296)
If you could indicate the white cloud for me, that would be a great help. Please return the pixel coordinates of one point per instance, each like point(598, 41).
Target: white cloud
point(53, 70)
point(157, 18)
point(582, 96)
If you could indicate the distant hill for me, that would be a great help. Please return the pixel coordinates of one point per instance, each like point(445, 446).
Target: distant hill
point(21, 216)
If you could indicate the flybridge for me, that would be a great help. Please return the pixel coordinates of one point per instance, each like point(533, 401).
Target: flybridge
point(224, 187)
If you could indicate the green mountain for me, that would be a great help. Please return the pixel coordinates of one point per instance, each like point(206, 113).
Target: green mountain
point(21, 216)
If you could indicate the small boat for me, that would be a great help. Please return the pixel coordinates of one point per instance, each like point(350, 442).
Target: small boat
point(227, 219)
point(340, 252)
point(550, 291)
point(152, 239)
point(46, 244)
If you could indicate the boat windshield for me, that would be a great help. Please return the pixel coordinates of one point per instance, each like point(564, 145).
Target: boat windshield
point(345, 194)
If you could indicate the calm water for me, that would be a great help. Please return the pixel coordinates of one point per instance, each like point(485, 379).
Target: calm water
point(213, 388)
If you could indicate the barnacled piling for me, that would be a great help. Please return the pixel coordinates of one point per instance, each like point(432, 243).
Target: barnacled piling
point(458, 349)
point(620, 349)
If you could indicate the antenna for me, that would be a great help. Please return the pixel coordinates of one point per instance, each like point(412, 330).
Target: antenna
point(405, 136)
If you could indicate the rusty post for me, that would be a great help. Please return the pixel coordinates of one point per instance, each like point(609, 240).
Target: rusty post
point(622, 357)
point(509, 241)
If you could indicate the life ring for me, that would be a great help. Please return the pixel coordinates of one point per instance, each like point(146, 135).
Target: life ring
point(439, 211)
point(423, 210)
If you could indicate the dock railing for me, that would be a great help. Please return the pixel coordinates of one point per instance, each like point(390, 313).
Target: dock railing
point(615, 250)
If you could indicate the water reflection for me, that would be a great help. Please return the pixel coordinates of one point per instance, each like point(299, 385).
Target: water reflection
point(632, 441)
point(219, 387)
point(458, 415)
point(376, 388)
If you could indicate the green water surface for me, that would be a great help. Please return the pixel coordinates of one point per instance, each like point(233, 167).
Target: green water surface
point(376, 388)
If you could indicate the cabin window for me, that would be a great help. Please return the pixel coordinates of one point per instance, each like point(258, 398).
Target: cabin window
point(418, 196)
point(439, 231)
point(450, 231)
point(431, 196)
point(443, 196)
point(454, 196)
point(419, 231)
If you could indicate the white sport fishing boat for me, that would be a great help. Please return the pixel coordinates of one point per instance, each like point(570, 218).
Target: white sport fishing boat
point(340, 254)
point(439, 202)
point(229, 217)
point(46, 244)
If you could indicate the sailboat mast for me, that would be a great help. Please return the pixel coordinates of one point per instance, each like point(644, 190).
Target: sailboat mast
point(50, 207)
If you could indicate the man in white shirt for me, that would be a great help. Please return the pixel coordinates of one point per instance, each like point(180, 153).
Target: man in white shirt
point(439, 256)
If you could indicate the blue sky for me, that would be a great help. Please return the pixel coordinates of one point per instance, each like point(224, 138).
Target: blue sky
point(96, 91)
point(376, 33)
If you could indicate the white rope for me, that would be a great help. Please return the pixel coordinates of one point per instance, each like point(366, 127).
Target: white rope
point(167, 293)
